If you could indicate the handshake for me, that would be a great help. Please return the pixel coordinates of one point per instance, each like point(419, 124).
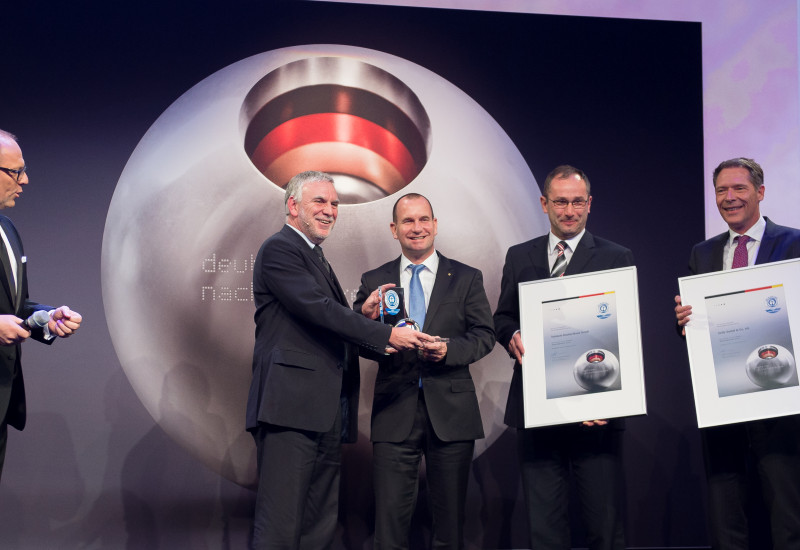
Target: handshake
point(406, 333)
point(430, 348)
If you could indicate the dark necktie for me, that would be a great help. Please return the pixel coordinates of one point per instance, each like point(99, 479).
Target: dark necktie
point(561, 261)
point(318, 250)
point(344, 404)
point(740, 253)
point(9, 273)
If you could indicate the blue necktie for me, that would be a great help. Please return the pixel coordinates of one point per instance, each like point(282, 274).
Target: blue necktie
point(416, 300)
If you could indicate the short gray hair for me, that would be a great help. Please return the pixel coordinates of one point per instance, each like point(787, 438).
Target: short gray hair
point(754, 170)
point(295, 186)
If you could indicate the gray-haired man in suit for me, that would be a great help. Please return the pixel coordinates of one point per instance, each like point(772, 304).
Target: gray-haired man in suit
point(303, 398)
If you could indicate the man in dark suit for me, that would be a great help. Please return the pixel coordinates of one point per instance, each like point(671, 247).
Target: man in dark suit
point(769, 450)
point(425, 403)
point(15, 307)
point(303, 399)
point(591, 449)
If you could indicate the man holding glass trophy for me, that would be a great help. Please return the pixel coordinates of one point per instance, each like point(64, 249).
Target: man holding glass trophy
point(425, 401)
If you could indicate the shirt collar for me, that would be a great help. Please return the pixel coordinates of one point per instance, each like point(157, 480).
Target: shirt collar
point(305, 238)
point(573, 242)
point(431, 262)
point(756, 232)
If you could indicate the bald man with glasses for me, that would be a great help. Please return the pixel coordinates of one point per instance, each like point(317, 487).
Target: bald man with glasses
point(19, 317)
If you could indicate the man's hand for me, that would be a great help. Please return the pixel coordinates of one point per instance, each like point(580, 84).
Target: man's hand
point(12, 331)
point(594, 422)
point(434, 351)
point(682, 314)
point(404, 338)
point(64, 322)
point(371, 307)
point(515, 348)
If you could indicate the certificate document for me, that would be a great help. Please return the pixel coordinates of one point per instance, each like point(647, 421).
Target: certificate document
point(583, 357)
point(740, 340)
point(581, 345)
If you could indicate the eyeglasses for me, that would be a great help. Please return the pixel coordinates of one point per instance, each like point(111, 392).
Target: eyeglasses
point(16, 174)
point(577, 204)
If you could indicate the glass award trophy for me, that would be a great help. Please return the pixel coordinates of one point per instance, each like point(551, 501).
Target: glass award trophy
point(393, 309)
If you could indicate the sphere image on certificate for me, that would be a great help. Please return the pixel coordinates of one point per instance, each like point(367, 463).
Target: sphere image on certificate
point(597, 370)
point(770, 366)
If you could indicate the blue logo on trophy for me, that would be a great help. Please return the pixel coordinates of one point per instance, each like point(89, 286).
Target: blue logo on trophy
point(392, 302)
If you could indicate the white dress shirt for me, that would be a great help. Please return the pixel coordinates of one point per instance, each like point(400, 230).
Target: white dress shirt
point(756, 234)
point(552, 251)
point(427, 277)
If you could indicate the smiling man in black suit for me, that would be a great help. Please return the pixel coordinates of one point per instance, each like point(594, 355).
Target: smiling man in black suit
point(15, 307)
point(303, 398)
point(425, 403)
point(589, 450)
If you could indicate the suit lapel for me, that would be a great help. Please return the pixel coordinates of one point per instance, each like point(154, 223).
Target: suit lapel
point(314, 259)
point(581, 255)
point(391, 273)
point(767, 244)
point(17, 247)
point(538, 258)
point(329, 276)
point(441, 288)
point(717, 251)
point(8, 280)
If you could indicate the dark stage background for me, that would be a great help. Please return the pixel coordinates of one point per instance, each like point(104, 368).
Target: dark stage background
point(82, 83)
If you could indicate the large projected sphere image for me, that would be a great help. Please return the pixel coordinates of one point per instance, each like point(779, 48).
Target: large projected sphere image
point(204, 188)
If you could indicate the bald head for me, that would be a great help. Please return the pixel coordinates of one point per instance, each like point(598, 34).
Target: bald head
point(12, 170)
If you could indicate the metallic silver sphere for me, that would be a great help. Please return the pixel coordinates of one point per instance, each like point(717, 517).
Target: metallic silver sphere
point(770, 366)
point(596, 370)
point(203, 190)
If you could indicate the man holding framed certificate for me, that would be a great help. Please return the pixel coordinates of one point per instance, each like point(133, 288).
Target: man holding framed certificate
point(769, 447)
point(590, 449)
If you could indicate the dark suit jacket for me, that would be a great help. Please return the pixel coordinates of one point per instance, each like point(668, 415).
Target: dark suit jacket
point(458, 309)
point(778, 243)
point(14, 302)
point(306, 355)
point(528, 262)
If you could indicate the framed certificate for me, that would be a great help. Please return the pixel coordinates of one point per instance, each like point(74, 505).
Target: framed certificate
point(583, 349)
point(741, 340)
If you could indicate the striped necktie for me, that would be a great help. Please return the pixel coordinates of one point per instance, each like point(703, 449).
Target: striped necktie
point(561, 261)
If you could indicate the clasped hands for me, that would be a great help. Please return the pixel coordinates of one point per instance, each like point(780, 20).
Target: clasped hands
point(430, 348)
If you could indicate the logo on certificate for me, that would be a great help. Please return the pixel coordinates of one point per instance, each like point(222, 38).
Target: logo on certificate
point(603, 310)
point(772, 304)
